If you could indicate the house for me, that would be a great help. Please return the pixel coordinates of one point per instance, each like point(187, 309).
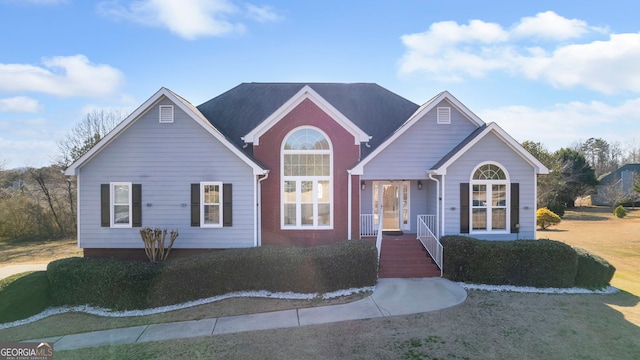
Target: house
point(617, 186)
point(302, 164)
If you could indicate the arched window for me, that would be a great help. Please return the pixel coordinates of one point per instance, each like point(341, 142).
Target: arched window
point(306, 180)
point(489, 199)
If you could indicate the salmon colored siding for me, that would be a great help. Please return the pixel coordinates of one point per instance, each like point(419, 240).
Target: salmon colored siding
point(345, 155)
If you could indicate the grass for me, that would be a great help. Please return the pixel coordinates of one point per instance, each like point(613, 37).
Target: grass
point(36, 252)
point(23, 295)
point(486, 326)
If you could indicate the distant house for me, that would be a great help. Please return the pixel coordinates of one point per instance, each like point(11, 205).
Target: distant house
point(617, 186)
point(302, 164)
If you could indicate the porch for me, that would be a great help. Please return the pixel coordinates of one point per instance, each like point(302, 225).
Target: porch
point(405, 254)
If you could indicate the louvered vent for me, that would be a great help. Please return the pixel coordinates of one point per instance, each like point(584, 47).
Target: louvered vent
point(444, 115)
point(166, 114)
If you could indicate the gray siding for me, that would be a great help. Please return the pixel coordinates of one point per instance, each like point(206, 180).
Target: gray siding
point(420, 147)
point(491, 148)
point(166, 159)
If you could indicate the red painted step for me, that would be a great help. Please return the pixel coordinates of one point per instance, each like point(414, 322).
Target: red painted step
point(406, 258)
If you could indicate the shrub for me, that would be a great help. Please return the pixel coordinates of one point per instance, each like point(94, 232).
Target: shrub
point(594, 272)
point(105, 283)
point(546, 218)
point(135, 285)
point(539, 263)
point(620, 211)
point(557, 208)
point(350, 264)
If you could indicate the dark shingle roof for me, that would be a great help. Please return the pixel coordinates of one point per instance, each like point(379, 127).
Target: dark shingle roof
point(374, 109)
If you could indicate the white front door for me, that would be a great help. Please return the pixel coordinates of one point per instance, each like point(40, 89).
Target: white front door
point(392, 198)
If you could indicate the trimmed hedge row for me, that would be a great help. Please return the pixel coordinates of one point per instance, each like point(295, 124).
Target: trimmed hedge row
point(133, 285)
point(539, 263)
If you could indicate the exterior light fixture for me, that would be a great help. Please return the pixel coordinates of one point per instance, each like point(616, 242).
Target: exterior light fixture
point(362, 185)
point(419, 185)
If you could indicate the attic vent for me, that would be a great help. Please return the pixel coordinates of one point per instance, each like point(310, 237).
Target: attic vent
point(444, 115)
point(166, 114)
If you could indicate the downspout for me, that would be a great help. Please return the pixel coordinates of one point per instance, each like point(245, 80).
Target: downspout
point(430, 174)
point(258, 193)
point(349, 204)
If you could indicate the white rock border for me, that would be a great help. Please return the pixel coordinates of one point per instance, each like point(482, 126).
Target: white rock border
point(255, 294)
point(529, 289)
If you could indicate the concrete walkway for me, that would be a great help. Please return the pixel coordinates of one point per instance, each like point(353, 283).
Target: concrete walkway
point(6, 271)
point(391, 297)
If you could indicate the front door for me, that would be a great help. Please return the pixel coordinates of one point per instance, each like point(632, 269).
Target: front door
point(394, 204)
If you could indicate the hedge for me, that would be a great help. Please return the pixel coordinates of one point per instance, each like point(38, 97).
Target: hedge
point(537, 263)
point(135, 285)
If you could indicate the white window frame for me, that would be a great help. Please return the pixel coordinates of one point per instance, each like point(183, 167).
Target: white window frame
point(203, 204)
point(113, 204)
point(315, 186)
point(166, 120)
point(489, 195)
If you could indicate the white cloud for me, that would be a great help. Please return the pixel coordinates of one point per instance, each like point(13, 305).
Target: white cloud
point(187, 18)
point(62, 76)
point(449, 51)
point(20, 104)
point(564, 124)
point(263, 13)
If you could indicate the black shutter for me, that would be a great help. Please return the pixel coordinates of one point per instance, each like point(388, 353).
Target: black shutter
point(227, 205)
point(105, 200)
point(195, 204)
point(464, 208)
point(136, 202)
point(515, 208)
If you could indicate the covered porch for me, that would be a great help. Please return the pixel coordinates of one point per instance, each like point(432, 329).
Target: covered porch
point(391, 217)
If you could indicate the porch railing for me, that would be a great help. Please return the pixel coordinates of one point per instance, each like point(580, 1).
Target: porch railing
point(367, 225)
point(428, 239)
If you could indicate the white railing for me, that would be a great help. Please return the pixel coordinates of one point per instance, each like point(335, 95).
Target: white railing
point(368, 225)
point(428, 239)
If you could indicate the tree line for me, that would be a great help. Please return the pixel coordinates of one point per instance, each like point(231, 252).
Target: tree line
point(40, 203)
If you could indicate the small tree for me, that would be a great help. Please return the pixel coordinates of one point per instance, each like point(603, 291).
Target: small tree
point(620, 212)
point(153, 240)
point(546, 218)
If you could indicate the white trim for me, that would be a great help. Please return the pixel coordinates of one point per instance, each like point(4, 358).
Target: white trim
point(113, 204)
point(507, 139)
point(165, 114)
point(315, 181)
point(203, 204)
point(358, 169)
point(306, 92)
point(185, 106)
point(488, 193)
point(443, 115)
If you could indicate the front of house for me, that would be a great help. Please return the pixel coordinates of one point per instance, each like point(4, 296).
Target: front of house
point(299, 164)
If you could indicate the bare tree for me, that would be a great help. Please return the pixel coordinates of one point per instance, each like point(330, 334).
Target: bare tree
point(86, 133)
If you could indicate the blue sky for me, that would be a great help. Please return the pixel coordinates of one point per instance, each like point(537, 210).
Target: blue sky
point(547, 71)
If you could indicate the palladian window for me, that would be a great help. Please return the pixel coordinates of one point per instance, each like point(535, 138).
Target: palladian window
point(306, 180)
point(489, 199)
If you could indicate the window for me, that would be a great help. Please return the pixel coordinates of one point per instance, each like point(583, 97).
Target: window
point(489, 196)
point(306, 180)
point(120, 205)
point(211, 204)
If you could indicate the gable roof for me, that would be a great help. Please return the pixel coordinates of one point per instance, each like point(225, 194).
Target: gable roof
point(616, 174)
point(418, 114)
point(374, 110)
point(185, 106)
point(440, 168)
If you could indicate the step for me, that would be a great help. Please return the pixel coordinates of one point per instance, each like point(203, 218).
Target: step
point(406, 258)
